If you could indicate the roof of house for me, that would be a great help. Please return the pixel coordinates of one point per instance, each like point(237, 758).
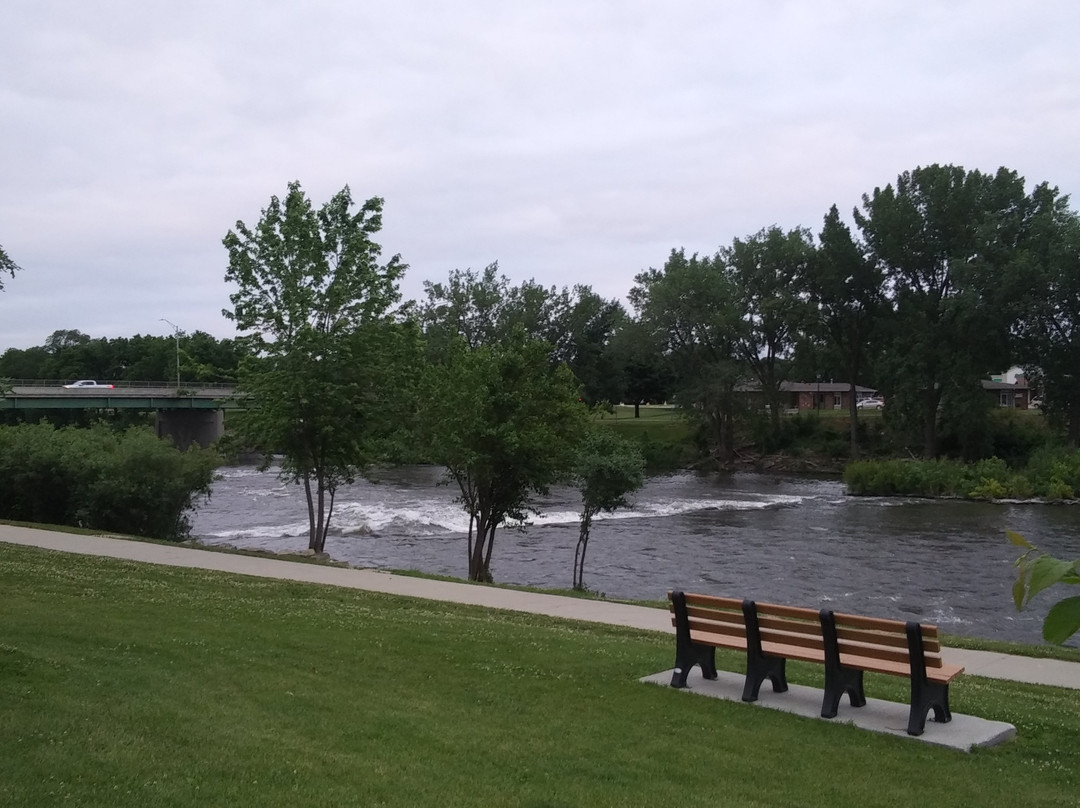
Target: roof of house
point(823, 387)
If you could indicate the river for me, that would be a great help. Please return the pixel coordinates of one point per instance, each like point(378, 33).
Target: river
point(784, 539)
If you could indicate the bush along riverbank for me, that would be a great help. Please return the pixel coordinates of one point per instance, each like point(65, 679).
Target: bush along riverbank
point(1050, 474)
point(124, 481)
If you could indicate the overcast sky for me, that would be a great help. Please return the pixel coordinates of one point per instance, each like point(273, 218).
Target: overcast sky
point(572, 141)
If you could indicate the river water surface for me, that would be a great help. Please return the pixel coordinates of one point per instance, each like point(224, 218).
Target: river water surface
point(773, 538)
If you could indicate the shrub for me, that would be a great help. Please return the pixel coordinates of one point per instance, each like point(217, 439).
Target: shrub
point(130, 482)
point(1052, 475)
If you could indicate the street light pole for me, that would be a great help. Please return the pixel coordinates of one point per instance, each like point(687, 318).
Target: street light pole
point(176, 336)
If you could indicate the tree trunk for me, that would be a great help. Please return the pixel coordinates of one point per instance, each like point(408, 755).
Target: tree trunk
point(480, 557)
point(774, 407)
point(853, 416)
point(579, 551)
point(487, 555)
point(930, 426)
point(320, 515)
point(312, 531)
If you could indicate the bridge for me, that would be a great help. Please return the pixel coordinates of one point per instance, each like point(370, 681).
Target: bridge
point(189, 414)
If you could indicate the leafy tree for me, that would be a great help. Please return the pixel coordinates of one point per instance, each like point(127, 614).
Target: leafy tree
point(7, 267)
point(484, 308)
point(846, 295)
point(692, 308)
point(1048, 326)
point(1035, 572)
point(763, 270)
point(64, 339)
point(642, 368)
point(607, 469)
point(586, 326)
point(504, 420)
point(24, 363)
point(469, 306)
point(313, 301)
point(942, 238)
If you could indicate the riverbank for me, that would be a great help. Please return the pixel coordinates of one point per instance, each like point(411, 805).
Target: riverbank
point(1058, 673)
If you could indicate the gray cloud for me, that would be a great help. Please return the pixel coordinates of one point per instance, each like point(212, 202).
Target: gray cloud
point(575, 142)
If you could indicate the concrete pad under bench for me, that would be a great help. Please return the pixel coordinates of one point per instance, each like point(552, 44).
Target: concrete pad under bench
point(886, 717)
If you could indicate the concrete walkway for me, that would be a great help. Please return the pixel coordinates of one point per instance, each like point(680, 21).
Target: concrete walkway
point(976, 663)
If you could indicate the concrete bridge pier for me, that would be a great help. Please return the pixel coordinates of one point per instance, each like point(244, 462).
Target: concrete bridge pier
point(186, 427)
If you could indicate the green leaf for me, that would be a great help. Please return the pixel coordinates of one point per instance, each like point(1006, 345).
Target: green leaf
point(1018, 540)
point(1047, 571)
point(1019, 588)
point(1062, 621)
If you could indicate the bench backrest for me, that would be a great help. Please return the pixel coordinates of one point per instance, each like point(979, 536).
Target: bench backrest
point(720, 620)
point(882, 639)
point(796, 632)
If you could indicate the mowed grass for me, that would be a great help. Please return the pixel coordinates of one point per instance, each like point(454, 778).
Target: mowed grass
point(124, 684)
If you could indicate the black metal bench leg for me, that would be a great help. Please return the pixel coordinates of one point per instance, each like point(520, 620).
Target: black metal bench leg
point(687, 652)
point(838, 679)
point(844, 680)
point(925, 695)
point(685, 659)
point(707, 662)
point(760, 666)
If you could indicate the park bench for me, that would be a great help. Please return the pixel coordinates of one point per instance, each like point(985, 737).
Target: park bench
point(847, 645)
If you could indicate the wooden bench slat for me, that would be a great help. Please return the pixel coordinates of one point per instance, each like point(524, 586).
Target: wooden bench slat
point(798, 652)
point(795, 612)
point(929, 631)
point(718, 629)
point(731, 641)
point(891, 653)
point(784, 637)
point(714, 614)
point(898, 640)
point(713, 600)
point(945, 673)
point(791, 626)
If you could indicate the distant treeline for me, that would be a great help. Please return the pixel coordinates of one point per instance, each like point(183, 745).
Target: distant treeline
point(68, 355)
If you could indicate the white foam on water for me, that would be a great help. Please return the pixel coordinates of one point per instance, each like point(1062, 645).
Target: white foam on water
point(410, 513)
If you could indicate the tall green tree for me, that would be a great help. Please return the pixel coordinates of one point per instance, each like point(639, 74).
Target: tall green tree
point(942, 237)
point(313, 300)
point(584, 327)
point(607, 469)
point(692, 308)
point(469, 306)
point(642, 367)
point(763, 270)
point(24, 363)
point(504, 420)
point(1047, 329)
point(847, 299)
point(485, 308)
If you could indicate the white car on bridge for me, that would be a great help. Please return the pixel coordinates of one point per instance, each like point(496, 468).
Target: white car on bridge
point(83, 383)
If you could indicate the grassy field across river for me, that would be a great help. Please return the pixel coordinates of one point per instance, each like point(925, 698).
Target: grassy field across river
point(124, 684)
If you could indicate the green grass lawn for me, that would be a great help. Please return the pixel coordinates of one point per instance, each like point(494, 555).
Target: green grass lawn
point(124, 684)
